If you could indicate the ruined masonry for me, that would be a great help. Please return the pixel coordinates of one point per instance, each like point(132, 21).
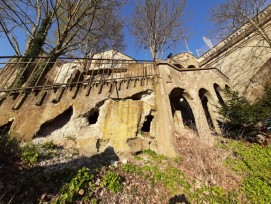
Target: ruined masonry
point(130, 105)
point(127, 104)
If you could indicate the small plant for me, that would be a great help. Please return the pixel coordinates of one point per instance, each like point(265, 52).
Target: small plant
point(83, 181)
point(49, 145)
point(113, 182)
point(94, 201)
point(30, 154)
point(154, 156)
point(71, 138)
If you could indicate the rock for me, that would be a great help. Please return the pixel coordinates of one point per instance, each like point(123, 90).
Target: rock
point(43, 196)
point(197, 185)
point(114, 163)
point(81, 192)
point(98, 182)
point(124, 161)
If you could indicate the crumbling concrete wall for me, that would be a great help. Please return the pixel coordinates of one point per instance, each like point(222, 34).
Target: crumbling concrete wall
point(120, 116)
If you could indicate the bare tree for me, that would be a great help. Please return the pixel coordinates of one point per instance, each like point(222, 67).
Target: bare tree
point(55, 26)
point(243, 15)
point(158, 24)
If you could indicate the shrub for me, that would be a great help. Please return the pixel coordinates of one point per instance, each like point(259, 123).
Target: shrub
point(242, 119)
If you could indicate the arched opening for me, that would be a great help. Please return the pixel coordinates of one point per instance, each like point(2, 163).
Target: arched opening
point(217, 91)
point(204, 102)
point(178, 65)
point(191, 66)
point(181, 109)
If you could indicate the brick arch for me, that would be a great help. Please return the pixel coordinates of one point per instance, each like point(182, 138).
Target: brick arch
point(181, 109)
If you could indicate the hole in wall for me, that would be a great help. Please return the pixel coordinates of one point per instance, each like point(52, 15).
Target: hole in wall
point(178, 65)
point(147, 123)
point(140, 95)
point(58, 122)
point(93, 116)
point(4, 129)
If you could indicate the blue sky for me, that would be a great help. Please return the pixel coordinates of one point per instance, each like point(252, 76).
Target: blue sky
point(197, 20)
point(197, 15)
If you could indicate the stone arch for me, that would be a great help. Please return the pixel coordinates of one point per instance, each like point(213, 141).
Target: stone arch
point(181, 111)
point(218, 94)
point(191, 67)
point(204, 95)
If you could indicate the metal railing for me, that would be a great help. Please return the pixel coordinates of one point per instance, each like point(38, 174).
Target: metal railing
point(20, 73)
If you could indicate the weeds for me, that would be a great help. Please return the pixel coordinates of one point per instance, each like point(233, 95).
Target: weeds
point(254, 163)
point(49, 145)
point(169, 176)
point(30, 154)
point(113, 182)
point(83, 181)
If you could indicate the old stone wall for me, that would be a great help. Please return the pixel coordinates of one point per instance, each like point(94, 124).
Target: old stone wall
point(130, 114)
point(184, 85)
point(245, 59)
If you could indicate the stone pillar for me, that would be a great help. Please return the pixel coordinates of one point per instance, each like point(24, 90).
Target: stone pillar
point(200, 118)
point(165, 125)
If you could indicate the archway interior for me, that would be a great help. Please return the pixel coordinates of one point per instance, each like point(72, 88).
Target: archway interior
point(191, 66)
point(179, 103)
point(204, 102)
point(217, 89)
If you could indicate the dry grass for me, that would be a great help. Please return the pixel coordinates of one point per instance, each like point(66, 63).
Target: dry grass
point(205, 162)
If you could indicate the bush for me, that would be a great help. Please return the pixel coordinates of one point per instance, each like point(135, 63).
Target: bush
point(242, 119)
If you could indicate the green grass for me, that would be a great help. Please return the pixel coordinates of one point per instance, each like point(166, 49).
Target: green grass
point(253, 162)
